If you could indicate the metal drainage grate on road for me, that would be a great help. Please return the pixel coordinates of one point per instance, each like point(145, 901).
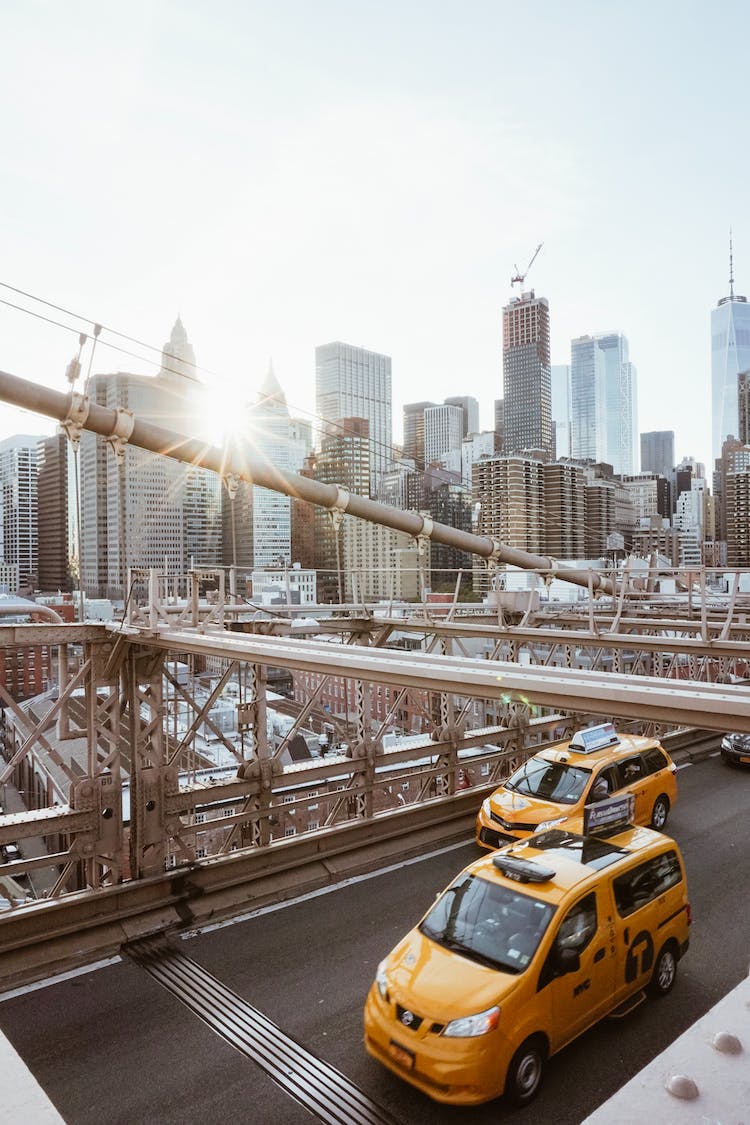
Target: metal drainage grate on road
point(316, 1085)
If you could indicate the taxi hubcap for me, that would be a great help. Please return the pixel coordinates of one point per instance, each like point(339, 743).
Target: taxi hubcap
point(528, 1072)
point(666, 970)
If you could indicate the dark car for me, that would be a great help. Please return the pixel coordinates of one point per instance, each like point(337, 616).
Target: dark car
point(10, 852)
point(735, 749)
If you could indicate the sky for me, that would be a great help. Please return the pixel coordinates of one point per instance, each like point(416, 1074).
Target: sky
point(287, 173)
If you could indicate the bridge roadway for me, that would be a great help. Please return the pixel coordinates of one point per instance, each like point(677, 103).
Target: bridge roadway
point(113, 1045)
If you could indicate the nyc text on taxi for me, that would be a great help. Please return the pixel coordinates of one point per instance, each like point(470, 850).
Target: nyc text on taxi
point(561, 781)
point(525, 950)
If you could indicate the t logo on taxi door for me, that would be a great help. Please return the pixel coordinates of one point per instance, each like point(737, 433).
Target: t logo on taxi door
point(642, 943)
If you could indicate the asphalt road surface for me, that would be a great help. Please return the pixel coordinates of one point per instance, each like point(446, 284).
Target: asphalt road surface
point(115, 1046)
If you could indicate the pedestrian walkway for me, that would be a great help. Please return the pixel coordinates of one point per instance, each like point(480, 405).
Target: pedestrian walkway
point(702, 1077)
point(23, 1099)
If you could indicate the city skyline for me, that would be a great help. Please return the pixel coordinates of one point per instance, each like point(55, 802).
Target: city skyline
point(258, 176)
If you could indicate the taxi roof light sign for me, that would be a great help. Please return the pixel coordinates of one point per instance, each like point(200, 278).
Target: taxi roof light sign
point(589, 739)
point(522, 870)
point(605, 816)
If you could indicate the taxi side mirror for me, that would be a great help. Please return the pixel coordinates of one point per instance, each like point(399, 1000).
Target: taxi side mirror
point(567, 961)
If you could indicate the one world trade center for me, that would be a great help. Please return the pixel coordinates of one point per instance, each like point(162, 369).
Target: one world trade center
point(730, 355)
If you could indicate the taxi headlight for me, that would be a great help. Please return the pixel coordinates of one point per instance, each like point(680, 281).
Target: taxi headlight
point(550, 823)
point(381, 981)
point(486, 809)
point(478, 1024)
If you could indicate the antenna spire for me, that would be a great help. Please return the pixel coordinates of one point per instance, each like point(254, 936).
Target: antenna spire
point(731, 266)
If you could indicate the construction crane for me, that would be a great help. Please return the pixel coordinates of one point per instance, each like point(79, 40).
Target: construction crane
point(520, 277)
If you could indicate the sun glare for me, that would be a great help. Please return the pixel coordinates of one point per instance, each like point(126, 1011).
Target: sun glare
point(221, 422)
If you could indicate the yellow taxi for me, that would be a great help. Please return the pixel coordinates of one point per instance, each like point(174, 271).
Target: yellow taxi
point(526, 949)
point(561, 781)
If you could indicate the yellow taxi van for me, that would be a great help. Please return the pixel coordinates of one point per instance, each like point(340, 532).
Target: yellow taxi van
point(526, 949)
point(561, 781)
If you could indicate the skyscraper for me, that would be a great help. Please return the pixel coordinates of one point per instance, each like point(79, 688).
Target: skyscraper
point(131, 509)
point(344, 459)
point(564, 492)
point(604, 403)
point(508, 495)
point(499, 414)
point(657, 452)
point(473, 448)
point(561, 408)
point(52, 487)
point(19, 543)
point(743, 403)
point(352, 382)
point(301, 442)
point(414, 431)
point(142, 509)
point(526, 375)
point(177, 356)
point(470, 408)
point(448, 502)
point(443, 431)
point(730, 354)
point(738, 518)
point(270, 442)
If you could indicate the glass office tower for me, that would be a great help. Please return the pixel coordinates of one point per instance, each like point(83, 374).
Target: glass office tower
point(352, 382)
point(604, 403)
point(730, 355)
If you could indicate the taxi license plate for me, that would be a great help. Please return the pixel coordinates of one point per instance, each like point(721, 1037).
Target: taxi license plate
point(744, 758)
point(400, 1055)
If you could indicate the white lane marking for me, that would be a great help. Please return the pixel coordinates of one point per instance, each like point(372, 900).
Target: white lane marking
point(683, 765)
point(714, 754)
point(48, 981)
point(60, 977)
point(322, 891)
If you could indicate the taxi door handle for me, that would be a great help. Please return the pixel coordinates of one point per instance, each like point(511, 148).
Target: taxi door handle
point(599, 954)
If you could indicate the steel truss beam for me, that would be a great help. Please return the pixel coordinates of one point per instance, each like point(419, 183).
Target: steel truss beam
point(649, 698)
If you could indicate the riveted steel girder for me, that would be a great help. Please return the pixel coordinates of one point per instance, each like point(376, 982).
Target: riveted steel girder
point(709, 706)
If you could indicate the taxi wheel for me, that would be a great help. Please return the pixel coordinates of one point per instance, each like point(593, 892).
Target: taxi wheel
point(665, 971)
point(525, 1072)
point(660, 812)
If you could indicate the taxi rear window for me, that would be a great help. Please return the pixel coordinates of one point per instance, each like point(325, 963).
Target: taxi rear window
point(655, 760)
point(646, 882)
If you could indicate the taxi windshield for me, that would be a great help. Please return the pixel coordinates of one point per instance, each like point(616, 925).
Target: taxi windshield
point(550, 781)
point(495, 925)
